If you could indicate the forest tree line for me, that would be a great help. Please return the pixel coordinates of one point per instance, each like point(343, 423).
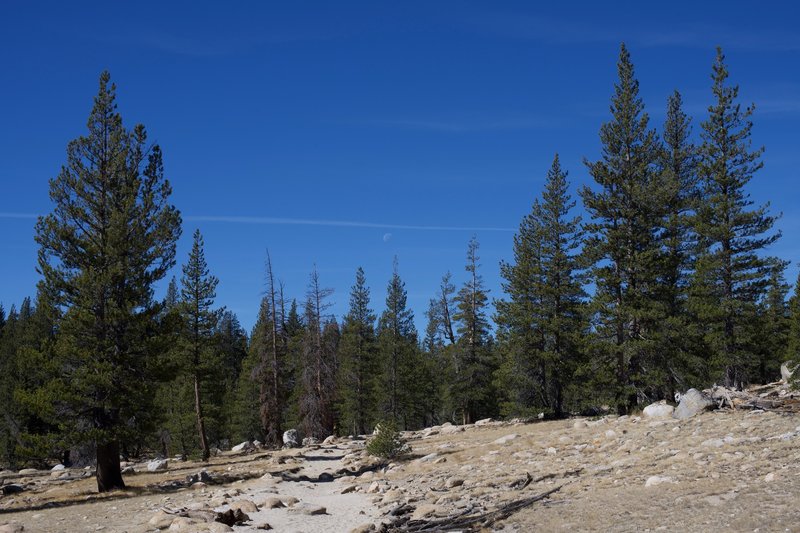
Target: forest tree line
point(666, 285)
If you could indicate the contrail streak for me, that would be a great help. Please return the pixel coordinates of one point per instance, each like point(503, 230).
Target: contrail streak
point(303, 222)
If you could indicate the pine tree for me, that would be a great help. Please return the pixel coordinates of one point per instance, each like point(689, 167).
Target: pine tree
point(730, 275)
point(543, 323)
point(626, 214)
point(358, 366)
point(397, 348)
point(676, 364)
point(110, 237)
point(201, 364)
point(269, 370)
point(792, 354)
point(471, 389)
point(771, 329)
point(318, 364)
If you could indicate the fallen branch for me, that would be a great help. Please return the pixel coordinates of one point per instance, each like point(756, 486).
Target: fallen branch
point(466, 521)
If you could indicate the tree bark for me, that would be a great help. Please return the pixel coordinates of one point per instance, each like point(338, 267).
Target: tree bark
point(109, 474)
point(201, 426)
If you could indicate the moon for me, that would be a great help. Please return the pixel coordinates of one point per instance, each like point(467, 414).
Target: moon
point(387, 237)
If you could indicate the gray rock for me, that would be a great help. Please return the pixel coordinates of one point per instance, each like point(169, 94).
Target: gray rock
point(243, 447)
point(291, 439)
point(201, 477)
point(692, 403)
point(786, 373)
point(13, 527)
point(57, 468)
point(309, 509)
point(310, 441)
point(658, 410)
point(28, 471)
point(157, 465)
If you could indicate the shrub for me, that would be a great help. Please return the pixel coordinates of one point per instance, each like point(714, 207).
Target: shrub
point(386, 441)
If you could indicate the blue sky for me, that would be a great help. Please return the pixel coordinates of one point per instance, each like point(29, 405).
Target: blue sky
point(344, 133)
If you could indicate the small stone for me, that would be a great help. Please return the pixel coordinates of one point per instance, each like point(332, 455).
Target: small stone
point(652, 481)
point(506, 439)
point(157, 465)
point(348, 490)
point(428, 458)
point(713, 443)
point(289, 501)
point(262, 526)
point(423, 511)
point(58, 468)
point(161, 520)
point(483, 422)
point(770, 477)
point(551, 451)
point(272, 502)
point(309, 509)
point(610, 434)
point(245, 506)
point(453, 482)
point(364, 528)
point(579, 424)
point(13, 527)
point(392, 496)
point(374, 488)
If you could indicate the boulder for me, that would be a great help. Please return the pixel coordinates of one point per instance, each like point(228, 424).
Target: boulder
point(786, 373)
point(291, 439)
point(658, 410)
point(243, 447)
point(28, 471)
point(453, 482)
point(245, 506)
point(310, 441)
point(483, 422)
point(157, 465)
point(329, 440)
point(58, 468)
point(692, 403)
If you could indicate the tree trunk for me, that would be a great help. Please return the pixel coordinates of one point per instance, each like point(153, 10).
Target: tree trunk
point(109, 474)
point(201, 426)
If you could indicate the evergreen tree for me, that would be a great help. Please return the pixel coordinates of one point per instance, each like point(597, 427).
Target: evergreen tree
point(676, 364)
point(544, 320)
point(318, 365)
point(110, 237)
point(772, 327)
point(626, 214)
point(231, 341)
point(471, 389)
point(730, 274)
point(397, 348)
point(269, 371)
point(792, 354)
point(201, 363)
point(358, 366)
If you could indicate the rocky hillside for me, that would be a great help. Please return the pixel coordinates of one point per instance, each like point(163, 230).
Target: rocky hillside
point(724, 470)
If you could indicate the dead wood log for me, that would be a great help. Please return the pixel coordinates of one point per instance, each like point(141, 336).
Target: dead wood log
point(465, 521)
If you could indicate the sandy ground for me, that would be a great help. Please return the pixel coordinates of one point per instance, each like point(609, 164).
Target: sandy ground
point(719, 471)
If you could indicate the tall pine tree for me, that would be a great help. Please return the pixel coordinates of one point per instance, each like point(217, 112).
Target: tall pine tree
point(626, 214)
point(358, 365)
point(200, 360)
point(730, 273)
point(110, 237)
